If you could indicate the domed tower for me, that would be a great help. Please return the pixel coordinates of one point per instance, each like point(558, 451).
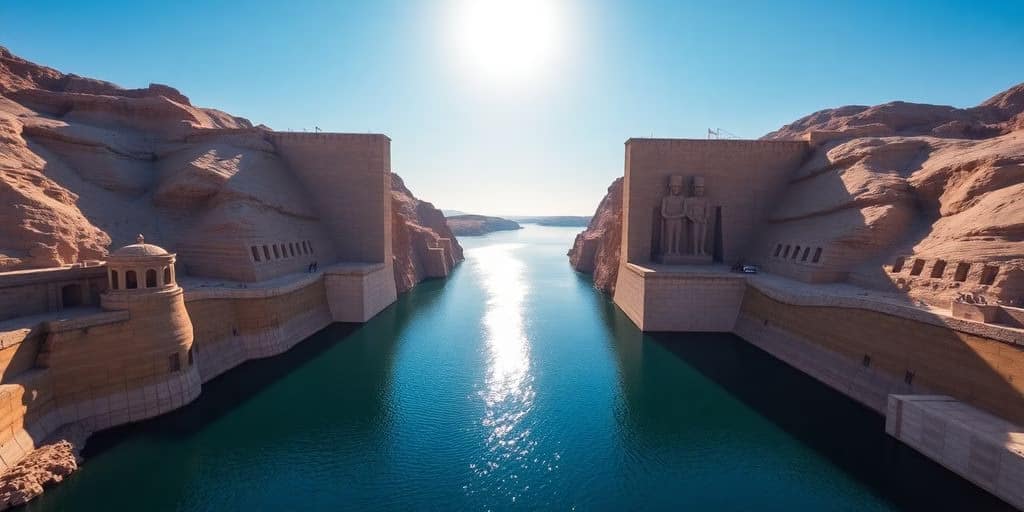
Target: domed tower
point(142, 281)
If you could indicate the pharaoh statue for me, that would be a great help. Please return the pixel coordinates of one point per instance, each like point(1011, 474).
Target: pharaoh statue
point(673, 209)
point(697, 214)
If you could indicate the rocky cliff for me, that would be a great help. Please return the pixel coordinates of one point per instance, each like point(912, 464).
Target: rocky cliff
point(930, 187)
point(596, 250)
point(85, 164)
point(416, 226)
point(894, 184)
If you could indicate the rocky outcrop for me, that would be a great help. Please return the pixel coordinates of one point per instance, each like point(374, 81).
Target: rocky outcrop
point(417, 228)
point(477, 225)
point(47, 465)
point(937, 187)
point(998, 115)
point(596, 250)
point(85, 164)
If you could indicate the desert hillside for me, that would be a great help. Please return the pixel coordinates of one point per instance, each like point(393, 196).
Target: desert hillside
point(85, 165)
point(898, 185)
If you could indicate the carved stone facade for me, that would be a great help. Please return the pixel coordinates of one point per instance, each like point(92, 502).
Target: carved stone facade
point(684, 236)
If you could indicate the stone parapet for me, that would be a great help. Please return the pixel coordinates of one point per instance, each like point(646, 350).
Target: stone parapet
point(849, 296)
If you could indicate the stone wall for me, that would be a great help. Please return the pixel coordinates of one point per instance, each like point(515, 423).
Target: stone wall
point(31, 292)
point(348, 178)
point(983, 372)
point(743, 177)
point(691, 299)
point(231, 331)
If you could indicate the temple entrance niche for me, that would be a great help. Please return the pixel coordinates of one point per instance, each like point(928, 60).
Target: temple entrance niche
point(71, 295)
point(686, 224)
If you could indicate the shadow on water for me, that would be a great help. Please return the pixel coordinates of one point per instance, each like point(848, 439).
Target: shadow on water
point(368, 355)
point(843, 431)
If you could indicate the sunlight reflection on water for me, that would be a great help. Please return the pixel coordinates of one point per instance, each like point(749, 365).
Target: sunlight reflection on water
point(508, 392)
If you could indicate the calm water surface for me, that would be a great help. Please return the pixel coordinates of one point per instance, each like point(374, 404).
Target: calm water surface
point(511, 385)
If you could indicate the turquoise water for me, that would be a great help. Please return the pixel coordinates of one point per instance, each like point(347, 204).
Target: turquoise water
point(511, 385)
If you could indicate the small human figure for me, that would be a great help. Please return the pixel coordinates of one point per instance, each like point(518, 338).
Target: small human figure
point(696, 211)
point(672, 213)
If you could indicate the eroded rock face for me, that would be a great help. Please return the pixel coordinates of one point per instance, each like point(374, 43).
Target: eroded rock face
point(85, 164)
point(998, 115)
point(416, 227)
point(596, 250)
point(937, 188)
point(47, 465)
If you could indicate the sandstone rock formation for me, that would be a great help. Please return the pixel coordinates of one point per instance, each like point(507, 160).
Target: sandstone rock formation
point(596, 250)
point(47, 465)
point(477, 225)
point(85, 164)
point(416, 226)
point(902, 196)
point(913, 197)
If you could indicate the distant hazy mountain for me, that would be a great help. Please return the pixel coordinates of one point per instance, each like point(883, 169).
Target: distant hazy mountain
point(476, 225)
point(557, 220)
point(452, 213)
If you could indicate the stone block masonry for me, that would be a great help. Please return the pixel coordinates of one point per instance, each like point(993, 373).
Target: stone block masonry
point(348, 178)
point(742, 177)
point(694, 298)
point(983, 448)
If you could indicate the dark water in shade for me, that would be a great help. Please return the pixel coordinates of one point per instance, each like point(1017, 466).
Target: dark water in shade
point(512, 385)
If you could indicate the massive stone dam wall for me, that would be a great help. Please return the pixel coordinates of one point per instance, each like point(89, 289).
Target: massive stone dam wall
point(256, 240)
point(878, 255)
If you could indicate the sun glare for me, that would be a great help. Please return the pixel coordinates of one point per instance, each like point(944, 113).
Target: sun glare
point(507, 43)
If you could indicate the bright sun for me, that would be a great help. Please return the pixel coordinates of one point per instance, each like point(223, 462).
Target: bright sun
point(507, 42)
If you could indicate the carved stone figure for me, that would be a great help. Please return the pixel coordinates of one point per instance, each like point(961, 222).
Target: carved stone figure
point(673, 210)
point(697, 214)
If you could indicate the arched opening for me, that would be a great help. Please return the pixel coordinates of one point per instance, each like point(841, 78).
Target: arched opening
point(796, 252)
point(277, 253)
point(114, 284)
point(71, 295)
point(168, 280)
point(778, 249)
point(291, 249)
point(130, 280)
point(255, 254)
point(938, 268)
point(807, 252)
point(785, 254)
point(817, 255)
point(151, 278)
point(266, 253)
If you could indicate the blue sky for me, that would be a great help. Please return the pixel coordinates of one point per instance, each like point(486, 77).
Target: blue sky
point(552, 142)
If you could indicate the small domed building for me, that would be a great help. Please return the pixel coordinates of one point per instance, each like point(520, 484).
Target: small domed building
point(140, 266)
point(133, 360)
point(141, 280)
